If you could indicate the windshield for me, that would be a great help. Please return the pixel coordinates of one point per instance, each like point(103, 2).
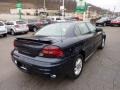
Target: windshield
point(59, 29)
point(104, 18)
point(32, 21)
point(20, 22)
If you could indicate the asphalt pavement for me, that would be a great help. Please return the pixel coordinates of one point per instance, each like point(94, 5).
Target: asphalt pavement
point(101, 71)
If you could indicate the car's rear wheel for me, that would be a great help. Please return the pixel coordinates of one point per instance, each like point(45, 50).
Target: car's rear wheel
point(76, 68)
point(102, 45)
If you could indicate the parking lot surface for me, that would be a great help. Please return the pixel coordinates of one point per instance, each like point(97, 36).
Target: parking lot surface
point(101, 71)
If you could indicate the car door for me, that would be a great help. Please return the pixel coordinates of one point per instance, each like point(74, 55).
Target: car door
point(87, 37)
point(97, 36)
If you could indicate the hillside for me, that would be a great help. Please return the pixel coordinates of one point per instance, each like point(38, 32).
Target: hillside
point(5, 5)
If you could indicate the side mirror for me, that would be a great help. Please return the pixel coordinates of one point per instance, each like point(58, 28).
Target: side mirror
point(99, 29)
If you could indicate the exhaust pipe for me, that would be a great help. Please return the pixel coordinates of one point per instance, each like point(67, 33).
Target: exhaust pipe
point(53, 76)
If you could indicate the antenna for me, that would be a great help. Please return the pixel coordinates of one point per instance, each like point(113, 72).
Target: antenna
point(61, 36)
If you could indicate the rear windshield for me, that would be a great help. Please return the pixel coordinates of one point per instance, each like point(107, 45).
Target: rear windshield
point(118, 18)
point(20, 22)
point(32, 21)
point(54, 30)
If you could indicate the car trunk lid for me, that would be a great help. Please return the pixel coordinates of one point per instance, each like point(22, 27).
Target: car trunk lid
point(31, 46)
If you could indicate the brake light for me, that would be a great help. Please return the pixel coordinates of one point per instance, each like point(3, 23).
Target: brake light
point(52, 51)
point(17, 26)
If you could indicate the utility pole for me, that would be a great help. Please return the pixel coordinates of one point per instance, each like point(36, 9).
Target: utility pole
point(63, 7)
point(44, 6)
point(114, 11)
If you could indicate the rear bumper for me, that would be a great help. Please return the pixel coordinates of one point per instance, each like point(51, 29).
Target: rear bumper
point(46, 66)
point(21, 30)
point(3, 32)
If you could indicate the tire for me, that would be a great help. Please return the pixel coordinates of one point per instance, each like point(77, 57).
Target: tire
point(12, 32)
point(34, 29)
point(76, 68)
point(25, 32)
point(4, 35)
point(112, 25)
point(102, 45)
point(104, 24)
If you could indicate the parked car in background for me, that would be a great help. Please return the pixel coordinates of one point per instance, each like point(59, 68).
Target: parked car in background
point(115, 22)
point(3, 30)
point(34, 25)
point(55, 19)
point(17, 26)
point(60, 48)
point(104, 21)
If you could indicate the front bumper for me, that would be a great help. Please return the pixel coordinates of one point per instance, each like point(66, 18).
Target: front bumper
point(97, 24)
point(46, 66)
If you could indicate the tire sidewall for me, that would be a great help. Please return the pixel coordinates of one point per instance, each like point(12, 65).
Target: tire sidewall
point(101, 45)
point(72, 74)
point(34, 29)
point(12, 32)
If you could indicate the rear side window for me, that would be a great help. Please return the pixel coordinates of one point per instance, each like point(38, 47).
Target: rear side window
point(1, 24)
point(77, 31)
point(20, 22)
point(83, 28)
point(91, 27)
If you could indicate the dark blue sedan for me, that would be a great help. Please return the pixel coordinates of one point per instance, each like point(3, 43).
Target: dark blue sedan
point(58, 49)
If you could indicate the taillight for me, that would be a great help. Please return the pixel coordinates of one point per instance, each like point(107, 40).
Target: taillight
point(52, 51)
point(17, 26)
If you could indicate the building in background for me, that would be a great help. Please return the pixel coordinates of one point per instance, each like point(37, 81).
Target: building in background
point(52, 6)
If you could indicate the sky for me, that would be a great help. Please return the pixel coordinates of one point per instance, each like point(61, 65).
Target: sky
point(107, 4)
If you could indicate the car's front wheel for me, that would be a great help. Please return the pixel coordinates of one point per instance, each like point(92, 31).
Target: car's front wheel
point(76, 68)
point(104, 24)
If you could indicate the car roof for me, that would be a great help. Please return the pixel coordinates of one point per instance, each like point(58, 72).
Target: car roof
point(74, 22)
point(15, 20)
